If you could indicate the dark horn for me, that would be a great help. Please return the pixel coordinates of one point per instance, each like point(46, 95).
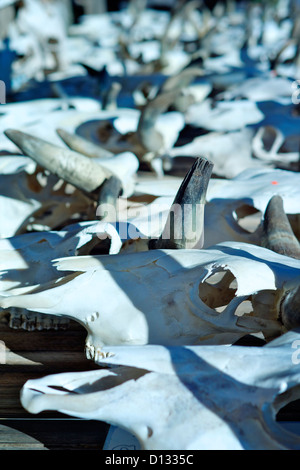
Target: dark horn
point(278, 235)
point(185, 224)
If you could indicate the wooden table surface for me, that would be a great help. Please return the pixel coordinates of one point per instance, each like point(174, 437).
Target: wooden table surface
point(31, 355)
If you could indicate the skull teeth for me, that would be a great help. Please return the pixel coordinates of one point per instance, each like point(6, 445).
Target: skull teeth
point(31, 321)
point(95, 353)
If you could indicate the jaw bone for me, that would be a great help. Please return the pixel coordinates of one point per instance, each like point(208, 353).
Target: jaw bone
point(213, 296)
point(201, 397)
point(26, 261)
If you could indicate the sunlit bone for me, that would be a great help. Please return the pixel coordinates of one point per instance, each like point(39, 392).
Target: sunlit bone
point(261, 89)
point(277, 134)
point(198, 397)
point(80, 171)
point(124, 165)
point(39, 116)
point(70, 166)
point(119, 131)
point(230, 152)
point(168, 297)
point(26, 260)
point(224, 116)
point(268, 141)
point(188, 93)
point(46, 26)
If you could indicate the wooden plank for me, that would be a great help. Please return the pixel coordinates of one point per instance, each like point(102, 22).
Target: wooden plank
point(31, 355)
point(50, 434)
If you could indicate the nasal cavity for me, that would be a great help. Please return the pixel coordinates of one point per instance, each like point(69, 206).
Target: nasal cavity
point(218, 290)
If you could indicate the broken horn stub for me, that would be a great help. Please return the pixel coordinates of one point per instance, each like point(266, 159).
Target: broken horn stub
point(278, 234)
point(290, 309)
point(184, 228)
point(82, 145)
point(74, 168)
point(111, 190)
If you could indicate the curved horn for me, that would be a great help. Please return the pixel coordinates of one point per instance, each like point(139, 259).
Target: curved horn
point(78, 170)
point(82, 145)
point(148, 136)
point(185, 224)
point(278, 235)
point(290, 309)
point(182, 79)
point(110, 97)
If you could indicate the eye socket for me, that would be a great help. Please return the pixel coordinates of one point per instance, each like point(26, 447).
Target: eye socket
point(218, 290)
point(268, 137)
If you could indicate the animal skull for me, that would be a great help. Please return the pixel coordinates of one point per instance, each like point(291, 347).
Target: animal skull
point(198, 397)
point(32, 199)
point(26, 260)
point(170, 297)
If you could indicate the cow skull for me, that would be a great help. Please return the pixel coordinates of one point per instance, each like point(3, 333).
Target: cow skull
point(198, 397)
point(26, 260)
point(171, 297)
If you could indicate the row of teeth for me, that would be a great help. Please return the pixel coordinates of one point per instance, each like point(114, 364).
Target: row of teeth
point(36, 321)
point(95, 353)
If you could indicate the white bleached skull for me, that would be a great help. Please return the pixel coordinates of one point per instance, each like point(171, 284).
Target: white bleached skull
point(170, 297)
point(26, 259)
point(198, 397)
point(223, 115)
